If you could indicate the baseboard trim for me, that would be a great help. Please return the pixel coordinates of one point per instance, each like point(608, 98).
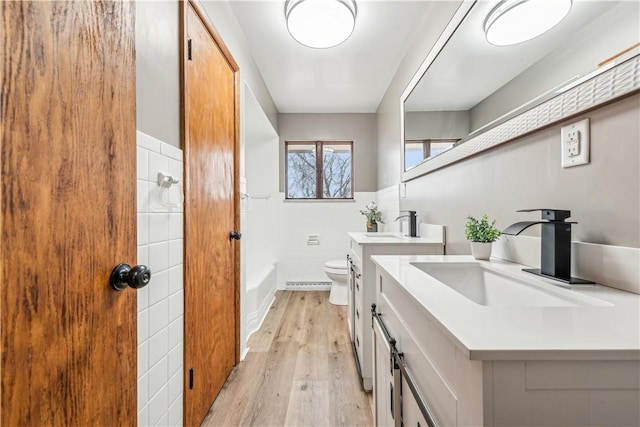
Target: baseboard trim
point(307, 286)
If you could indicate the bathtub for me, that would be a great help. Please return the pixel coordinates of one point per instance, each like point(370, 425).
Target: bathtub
point(260, 294)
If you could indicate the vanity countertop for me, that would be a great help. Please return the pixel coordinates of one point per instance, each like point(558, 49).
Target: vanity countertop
point(610, 331)
point(395, 239)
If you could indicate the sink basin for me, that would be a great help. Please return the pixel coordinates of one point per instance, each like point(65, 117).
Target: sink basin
point(487, 287)
point(383, 236)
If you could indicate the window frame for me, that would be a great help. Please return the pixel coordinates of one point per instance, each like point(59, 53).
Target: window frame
point(319, 169)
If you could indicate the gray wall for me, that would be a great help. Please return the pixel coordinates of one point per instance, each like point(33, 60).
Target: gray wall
point(158, 65)
point(436, 124)
point(158, 70)
point(603, 196)
point(359, 128)
point(388, 113)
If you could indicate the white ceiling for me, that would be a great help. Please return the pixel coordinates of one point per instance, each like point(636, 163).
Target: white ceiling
point(354, 76)
point(349, 78)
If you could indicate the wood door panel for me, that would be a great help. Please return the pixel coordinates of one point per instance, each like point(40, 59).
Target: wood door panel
point(68, 213)
point(210, 163)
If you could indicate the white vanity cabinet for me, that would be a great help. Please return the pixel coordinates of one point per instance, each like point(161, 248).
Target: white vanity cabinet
point(445, 379)
point(361, 283)
point(463, 385)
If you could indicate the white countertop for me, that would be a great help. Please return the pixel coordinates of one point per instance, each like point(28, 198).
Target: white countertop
point(608, 332)
point(392, 239)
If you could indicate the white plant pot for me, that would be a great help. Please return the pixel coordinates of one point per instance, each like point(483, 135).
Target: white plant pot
point(481, 250)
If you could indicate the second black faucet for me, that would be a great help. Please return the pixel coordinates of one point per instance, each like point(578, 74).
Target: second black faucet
point(413, 225)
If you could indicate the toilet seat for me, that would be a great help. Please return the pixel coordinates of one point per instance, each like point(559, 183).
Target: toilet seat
point(338, 264)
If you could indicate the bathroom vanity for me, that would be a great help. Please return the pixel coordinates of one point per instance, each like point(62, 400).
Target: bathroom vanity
point(361, 282)
point(465, 342)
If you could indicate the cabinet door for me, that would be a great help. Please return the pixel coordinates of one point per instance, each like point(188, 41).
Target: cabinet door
point(351, 306)
point(357, 283)
point(411, 414)
point(383, 387)
point(358, 342)
point(361, 344)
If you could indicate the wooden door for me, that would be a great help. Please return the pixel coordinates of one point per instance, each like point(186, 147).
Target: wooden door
point(211, 288)
point(69, 354)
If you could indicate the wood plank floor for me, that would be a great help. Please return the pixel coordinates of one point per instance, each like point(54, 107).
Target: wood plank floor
point(299, 371)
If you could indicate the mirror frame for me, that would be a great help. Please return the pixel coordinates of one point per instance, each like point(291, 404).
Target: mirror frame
point(621, 77)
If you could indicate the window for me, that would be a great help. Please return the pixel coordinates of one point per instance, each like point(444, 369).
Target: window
point(415, 151)
point(313, 176)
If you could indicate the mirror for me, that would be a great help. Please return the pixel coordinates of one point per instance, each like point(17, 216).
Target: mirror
point(467, 86)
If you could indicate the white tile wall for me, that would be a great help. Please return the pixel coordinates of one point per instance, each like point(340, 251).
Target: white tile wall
point(161, 303)
point(388, 200)
point(285, 240)
point(291, 223)
point(298, 261)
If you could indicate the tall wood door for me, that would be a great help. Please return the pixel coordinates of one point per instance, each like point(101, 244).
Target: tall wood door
point(67, 213)
point(211, 290)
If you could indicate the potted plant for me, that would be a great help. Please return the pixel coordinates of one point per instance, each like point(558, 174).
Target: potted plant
point(374, 216)
point(481, 233)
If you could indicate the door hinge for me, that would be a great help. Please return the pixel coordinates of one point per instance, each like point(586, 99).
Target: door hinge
point(189, 51)
point(191, 379)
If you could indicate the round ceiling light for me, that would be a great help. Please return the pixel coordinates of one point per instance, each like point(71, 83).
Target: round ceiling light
point(516, 21)
point(320, 24)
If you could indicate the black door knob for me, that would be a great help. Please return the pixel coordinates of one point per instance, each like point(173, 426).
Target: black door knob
point(124, 275)
point(235, 235)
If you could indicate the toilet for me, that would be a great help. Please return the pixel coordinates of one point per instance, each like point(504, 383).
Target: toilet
point(337, 271)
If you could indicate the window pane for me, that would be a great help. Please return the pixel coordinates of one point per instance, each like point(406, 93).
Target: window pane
point(336, 171)
point(301, 171)
point(413, 154)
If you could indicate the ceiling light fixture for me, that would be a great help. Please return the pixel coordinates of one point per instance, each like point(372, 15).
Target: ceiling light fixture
point(516, 21)
point(320, 24)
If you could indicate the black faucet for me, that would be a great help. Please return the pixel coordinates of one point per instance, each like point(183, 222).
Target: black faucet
point(555, 249)
point(413, 226)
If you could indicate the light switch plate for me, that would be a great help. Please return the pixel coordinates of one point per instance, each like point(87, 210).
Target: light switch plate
point(575, 144)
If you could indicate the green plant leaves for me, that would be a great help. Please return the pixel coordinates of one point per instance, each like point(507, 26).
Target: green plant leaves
point(372, 213)
point(481, 230)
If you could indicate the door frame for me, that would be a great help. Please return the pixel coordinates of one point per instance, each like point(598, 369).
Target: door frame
point(184, 124)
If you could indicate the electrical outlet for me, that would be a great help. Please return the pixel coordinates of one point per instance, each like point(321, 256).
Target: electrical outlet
point(575, 144)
